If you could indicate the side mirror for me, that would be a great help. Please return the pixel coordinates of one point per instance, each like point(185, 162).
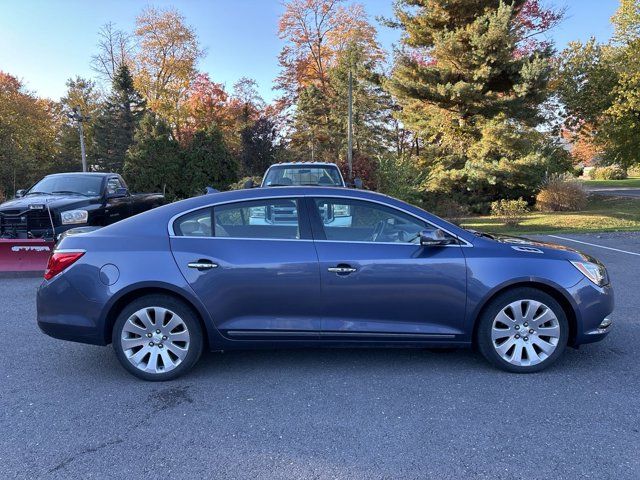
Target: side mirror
point(357, 183)
point(20, 193)
point(249, 183)
point(434, 238)
point(119, 193)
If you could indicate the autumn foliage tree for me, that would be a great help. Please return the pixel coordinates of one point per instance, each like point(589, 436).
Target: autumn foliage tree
point(165, 62)
point(205, 105)
point(27, 135)
point(598, 85)
point(325, 39)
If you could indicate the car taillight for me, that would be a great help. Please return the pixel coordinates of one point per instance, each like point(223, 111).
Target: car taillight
point(59, 261)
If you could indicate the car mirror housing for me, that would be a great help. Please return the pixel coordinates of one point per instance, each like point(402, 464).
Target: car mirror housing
point(20, 193)
point(357, 183)
point(434, 238)
point(249, 184)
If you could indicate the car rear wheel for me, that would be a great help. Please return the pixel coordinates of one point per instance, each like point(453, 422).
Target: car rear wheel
point(157, 338)
point(524, 330)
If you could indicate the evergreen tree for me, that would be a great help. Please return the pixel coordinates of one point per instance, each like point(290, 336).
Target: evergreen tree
point(208, 162)
point(471, 70)
point(115, 126)
point(259, 149)
point(154, 163)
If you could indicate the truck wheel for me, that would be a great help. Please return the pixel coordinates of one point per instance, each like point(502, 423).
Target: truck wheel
point(157, 338)
point(524, 330)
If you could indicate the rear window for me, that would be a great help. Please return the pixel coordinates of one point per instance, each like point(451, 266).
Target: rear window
point(300, 175)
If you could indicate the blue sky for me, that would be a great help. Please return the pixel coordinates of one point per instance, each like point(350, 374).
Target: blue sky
point(44, 42)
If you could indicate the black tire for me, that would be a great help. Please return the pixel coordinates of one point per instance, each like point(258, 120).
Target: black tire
point(485, 325)
point(186, 314)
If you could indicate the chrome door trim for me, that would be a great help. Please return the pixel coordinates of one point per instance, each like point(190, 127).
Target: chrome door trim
point(319, 333)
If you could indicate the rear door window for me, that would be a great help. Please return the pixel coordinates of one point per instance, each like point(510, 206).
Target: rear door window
point(276, 218)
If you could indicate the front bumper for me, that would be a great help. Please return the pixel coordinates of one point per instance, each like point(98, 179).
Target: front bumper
point(593, 306)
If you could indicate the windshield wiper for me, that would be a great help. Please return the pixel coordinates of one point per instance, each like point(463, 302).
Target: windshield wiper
point(37, 193)
point(69, 192)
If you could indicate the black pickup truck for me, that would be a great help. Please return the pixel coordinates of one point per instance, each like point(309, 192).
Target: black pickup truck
point(63, 201)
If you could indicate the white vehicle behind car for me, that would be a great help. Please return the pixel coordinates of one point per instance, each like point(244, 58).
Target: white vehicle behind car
point(323, 174)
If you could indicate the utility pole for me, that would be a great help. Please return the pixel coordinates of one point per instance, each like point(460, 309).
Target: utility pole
point(350, 129)
point(80, 119)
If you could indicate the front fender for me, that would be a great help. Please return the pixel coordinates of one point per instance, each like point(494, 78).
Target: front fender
point(542, 283)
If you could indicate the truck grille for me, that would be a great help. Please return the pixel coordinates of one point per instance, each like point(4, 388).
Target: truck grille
point(283, 214)
point(25, 221)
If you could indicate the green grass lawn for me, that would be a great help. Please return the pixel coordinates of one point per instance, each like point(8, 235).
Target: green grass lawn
point(626, 183)
point(603, 214)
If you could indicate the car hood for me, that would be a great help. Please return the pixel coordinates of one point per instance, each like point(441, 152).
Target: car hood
point(54, 202)
point(529, 246)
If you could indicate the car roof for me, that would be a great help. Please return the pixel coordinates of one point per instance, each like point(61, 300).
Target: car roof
point(304, 164)
point(87, 174)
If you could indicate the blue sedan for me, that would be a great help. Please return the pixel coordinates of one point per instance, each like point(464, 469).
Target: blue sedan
point(316, 266)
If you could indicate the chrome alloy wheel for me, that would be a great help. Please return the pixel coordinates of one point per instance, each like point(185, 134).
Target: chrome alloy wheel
point(155, 340)
point(525, 333)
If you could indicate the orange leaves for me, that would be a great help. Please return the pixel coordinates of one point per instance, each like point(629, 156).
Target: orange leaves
point(317, 32)
point(165, 63)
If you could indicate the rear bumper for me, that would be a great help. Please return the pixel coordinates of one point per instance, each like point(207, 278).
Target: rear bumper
point(80, 321)
point(594, 305)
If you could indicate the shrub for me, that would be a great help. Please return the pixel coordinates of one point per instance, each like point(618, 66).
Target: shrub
point(561, 193)
point(451, 210)
point(578, 171)
point(510, 211)
point(634, 170)
point(610, 172)
point(239, 185)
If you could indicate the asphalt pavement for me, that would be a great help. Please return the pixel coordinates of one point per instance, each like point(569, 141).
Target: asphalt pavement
point(70, 411)
point(615, 192)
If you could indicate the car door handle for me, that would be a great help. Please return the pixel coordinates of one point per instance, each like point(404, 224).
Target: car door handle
point(202, 265)
point(341, 269)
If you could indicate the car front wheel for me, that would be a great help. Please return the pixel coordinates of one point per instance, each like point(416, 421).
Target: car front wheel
point(524, 330)
point(157, 338)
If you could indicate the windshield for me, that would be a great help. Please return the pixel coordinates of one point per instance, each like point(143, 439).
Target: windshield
point(69, 184)
point(292, 175)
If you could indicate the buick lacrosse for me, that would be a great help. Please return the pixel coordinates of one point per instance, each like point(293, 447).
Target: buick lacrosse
point(315, 266)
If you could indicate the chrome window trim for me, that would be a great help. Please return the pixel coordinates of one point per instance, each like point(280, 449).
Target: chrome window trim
point(464, 243)
point(246, 238)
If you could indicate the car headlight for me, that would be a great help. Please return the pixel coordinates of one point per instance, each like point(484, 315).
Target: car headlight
point(595, 272)
point(71, 217)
